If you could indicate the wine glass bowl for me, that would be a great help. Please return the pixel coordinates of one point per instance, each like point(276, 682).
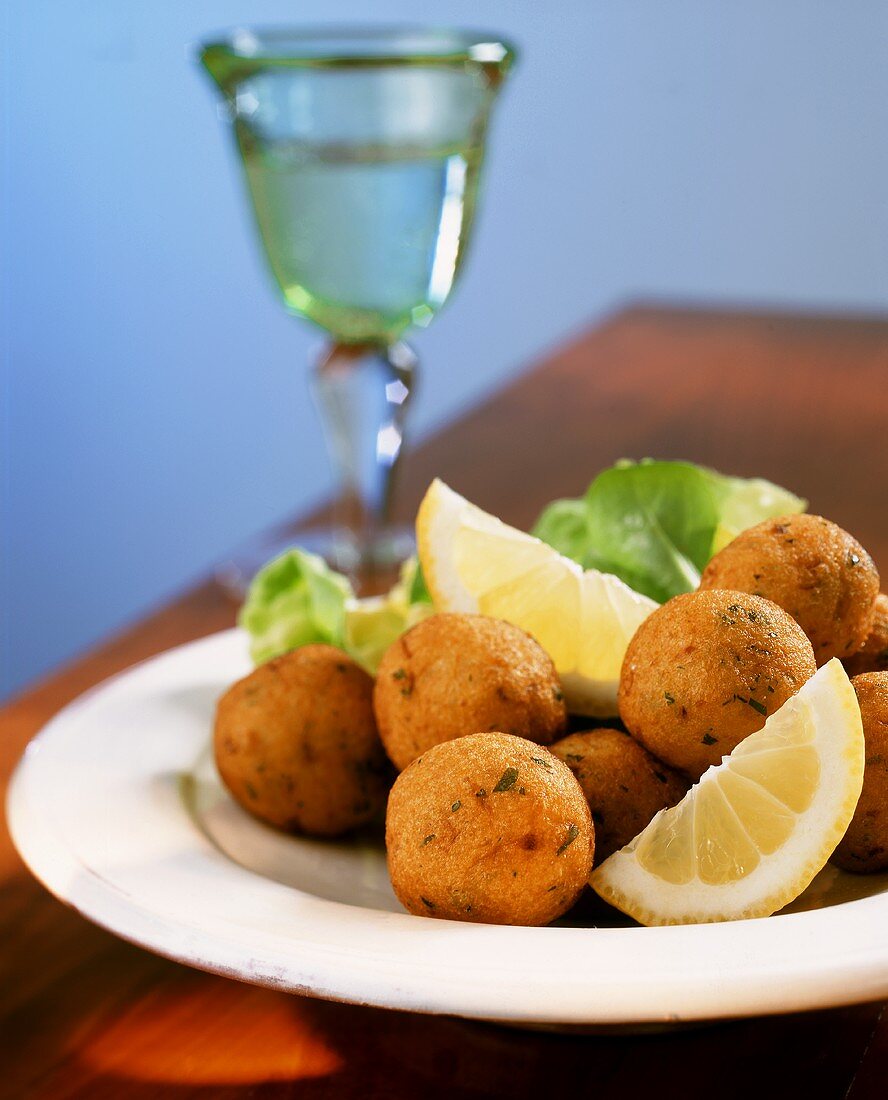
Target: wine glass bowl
point(362, 151)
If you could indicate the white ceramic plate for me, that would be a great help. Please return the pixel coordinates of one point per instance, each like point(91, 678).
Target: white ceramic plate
point(117, 809)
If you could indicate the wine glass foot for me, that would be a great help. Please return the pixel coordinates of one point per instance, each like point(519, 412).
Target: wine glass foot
point(372, 566)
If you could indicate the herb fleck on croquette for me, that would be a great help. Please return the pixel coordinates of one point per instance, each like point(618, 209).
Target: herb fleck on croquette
point(573, 831)
point(507, 780)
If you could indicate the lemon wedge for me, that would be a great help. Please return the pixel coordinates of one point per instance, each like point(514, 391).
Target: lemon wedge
point(756, 829)
point(474, 562)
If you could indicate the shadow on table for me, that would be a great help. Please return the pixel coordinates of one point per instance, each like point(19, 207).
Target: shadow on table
point(352, 1052)
point(812, 1055)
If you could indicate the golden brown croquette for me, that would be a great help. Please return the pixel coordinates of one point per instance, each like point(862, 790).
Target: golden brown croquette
point(705, 670)
point(811, 568)
point(452, 675)
point(623, 784)
point(296, 743)
point(489, 828)
point(864, 847)
point(873, 654)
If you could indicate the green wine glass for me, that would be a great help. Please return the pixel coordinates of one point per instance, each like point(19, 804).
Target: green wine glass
point(362, 151)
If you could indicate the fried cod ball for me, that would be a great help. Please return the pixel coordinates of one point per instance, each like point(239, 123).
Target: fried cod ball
point(864, 847)
point(873, 654)
point(488, 828)
point(296, 743)
point(811, 568)
point(455, 674)
point(705, 670)
point(623, 784)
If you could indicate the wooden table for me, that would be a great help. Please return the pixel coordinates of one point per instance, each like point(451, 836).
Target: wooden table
point(803, 401)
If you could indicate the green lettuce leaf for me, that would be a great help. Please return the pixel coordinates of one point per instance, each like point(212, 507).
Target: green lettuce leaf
point(292, 601)
point(746, 502)
point(297, 599)
point(564, 525)
point(656, 524)
point(372, 624)
point(413, 582)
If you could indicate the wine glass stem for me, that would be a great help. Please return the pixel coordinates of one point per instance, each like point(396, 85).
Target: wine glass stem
point(363, 392)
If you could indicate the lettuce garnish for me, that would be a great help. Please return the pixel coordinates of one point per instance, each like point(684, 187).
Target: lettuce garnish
point(297, 599)
point(292, 601)
point(371, 625)
point(655, 525)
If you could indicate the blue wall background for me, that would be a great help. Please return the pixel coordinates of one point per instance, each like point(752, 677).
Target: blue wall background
point(155, 404)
